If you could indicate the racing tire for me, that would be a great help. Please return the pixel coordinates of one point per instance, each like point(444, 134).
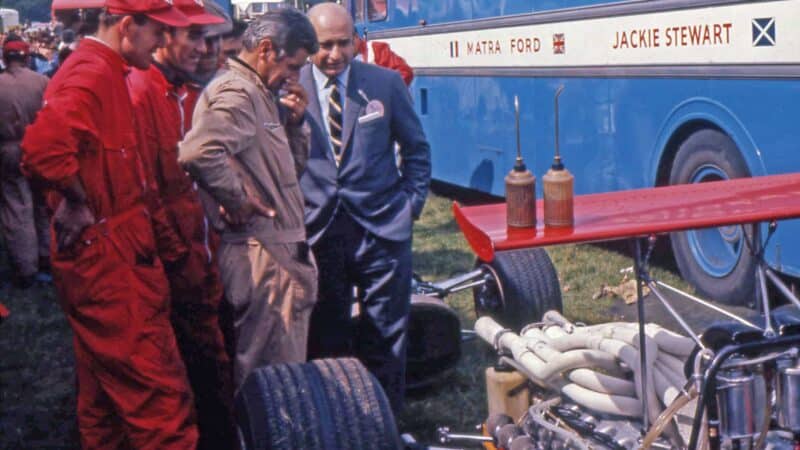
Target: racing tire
point(434, 342)
point(521, 285)
point(327, 404)
point(716, 261)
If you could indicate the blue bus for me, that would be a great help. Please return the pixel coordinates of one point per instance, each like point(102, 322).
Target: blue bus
point(656, 92)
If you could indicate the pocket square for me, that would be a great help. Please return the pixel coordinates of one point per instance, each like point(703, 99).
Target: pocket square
point(366, 118)
point(375, 106)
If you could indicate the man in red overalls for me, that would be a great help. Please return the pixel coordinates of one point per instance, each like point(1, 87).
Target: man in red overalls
point(209, 65)
point(383, 56)
point(132, 386)
point(196, 290)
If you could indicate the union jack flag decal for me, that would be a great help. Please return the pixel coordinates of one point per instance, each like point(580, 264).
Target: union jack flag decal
point(559, 44)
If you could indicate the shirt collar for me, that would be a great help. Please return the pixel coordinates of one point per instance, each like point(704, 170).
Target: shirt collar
point(173, 76)
point(100, 41)
point(105, 51)
point(246, 70)
point(320, 79)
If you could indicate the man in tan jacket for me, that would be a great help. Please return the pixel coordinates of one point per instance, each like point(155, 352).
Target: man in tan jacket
point(246, 149)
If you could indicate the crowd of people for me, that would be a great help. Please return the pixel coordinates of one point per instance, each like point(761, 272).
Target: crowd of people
point(47, 47)
point(219, 196)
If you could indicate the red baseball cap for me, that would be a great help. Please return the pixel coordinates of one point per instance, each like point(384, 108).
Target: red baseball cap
point(77, 4)
point(196, 12)
point(159, 10)
point(18, 47)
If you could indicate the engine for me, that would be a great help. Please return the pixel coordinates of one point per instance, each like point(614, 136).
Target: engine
point(740, 389)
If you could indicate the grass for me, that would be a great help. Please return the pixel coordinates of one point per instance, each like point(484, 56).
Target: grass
point(440, 251)
point(37, 387)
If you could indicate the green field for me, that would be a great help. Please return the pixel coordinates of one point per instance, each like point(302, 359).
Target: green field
point(440, 251)
point(36, 364)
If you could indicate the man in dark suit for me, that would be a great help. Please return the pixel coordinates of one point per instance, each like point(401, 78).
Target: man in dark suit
point(360, 202)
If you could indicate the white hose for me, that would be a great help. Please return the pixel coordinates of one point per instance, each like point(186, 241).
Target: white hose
point(554, 331)
point(602, 383)
point(563, 356)
point(673, 363)
point(670, 342)
point(668, 391)
point(554, 317)
point(558, 362)
point(675, 378)
point(579, 359)
point(608, 404)
point(666, 417)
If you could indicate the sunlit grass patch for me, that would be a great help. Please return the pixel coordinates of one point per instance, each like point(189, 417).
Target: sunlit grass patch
point(440, 251)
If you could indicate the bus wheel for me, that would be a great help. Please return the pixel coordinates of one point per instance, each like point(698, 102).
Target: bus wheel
point(716, 261)
point(521, 285)
point(322, 404)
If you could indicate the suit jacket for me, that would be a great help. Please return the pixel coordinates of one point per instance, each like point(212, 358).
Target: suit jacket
point(368, 184)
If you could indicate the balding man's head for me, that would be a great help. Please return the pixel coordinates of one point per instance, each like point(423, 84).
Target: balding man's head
point(334, 28)
point(329, 14)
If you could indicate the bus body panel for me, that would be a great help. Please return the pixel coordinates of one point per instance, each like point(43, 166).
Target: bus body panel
point(622, 109)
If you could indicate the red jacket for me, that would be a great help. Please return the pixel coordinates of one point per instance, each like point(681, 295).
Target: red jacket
point(111, 282)
point(85, 130)
point(195, 286)
point(193, 92)
point(383, 56)
point(161, 114)
point(159, 111)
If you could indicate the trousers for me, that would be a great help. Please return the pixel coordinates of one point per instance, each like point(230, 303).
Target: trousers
point(23, 215)
point(132, 385)
point(271, 289)
point(351, 258)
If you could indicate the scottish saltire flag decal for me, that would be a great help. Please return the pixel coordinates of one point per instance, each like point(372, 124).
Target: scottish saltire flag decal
point(764, 32)
point(727, 34)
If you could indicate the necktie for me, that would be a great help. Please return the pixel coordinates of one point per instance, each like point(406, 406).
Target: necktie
point(335, 120)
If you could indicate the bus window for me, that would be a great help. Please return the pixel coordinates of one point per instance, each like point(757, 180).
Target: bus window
point(376, 9)
point(357, 8)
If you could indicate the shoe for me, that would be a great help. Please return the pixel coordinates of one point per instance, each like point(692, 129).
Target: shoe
point(43, 277)
point(24, 282)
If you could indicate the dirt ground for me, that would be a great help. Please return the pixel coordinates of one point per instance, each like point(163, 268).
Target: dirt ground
point(37, 381)
point(37, 384)
point(37, 390)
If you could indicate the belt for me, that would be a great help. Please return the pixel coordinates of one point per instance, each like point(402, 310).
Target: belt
point(106, 225)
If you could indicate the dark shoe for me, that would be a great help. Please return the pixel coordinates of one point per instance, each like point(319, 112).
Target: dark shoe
point(44, 265)
point(24, 282)
point(43, 277)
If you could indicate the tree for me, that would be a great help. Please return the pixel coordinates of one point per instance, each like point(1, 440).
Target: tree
point(29, 10)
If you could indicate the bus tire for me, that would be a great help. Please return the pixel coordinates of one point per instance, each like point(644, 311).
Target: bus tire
point(521, 285)
point(716, 261)
point(322, 404)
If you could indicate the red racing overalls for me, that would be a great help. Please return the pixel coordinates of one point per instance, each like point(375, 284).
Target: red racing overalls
point(132, 385)
point(196, 288)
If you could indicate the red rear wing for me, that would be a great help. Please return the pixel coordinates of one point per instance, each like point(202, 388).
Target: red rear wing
point(639, 212)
